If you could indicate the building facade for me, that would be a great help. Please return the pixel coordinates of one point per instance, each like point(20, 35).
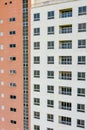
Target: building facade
point(14, 63)
point(58, 65)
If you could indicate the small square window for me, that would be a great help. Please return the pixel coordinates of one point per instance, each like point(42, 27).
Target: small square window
point(82, 27)
point(36, 87)
point(50, 30)
point(51, 15)
point(81, 76)
point(36, 31)
point(50, 89)
point(82, 43)
point(36, 101)
point(50, 74)
point(36, 45)
point(50, 117)
point(81, 92)
point(80, 123)
point(36, 16)
point(36, 74)
point(50, 45)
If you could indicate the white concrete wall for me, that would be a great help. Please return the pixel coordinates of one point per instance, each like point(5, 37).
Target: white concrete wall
point(56, 67)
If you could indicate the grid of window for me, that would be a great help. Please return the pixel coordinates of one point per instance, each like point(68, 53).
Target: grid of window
point(36, 74)
point(50, 45)
point(36, 101)
point(82, 43)
point(12, 45)
point(82, 10)
point(36, 87)
point(12, 19)
point(65, 44)
point(12, 96)
point(82, 27)
point(36, 59)
point(51, 15)
point(50, 60)
point(65, 13)
point(80, 107)
point(36, 31)
point(65, 105)
point(65, 29)
point(13, 109)
point(50, 103)
point(80, 123)
point(81, 60)
point(36, 16)
point(36, 115)
point(50, 30)
point(12, 71)
point(36, 127)
point(36, 45)
point(13, 122)
point(12, 32)
point(81, 92)
point(50, 117)
point(81, 75)
point(50, 89)
point(64, 120)
point(50, 74)
point(65, 90)
point(13, 84)
point(12, 58)
point(65, 59)
point(65, 75)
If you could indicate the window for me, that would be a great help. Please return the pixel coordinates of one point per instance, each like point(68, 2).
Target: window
point(81, 60)
point(81, 75)
point(12, 32)
point(49, 129)
point(65, 29)
point(65, 44)
point(50, 30)
point(36, 101)
point(36, 31)
point(50, 60)
point(82, 27)
point(50, 117)
point(1, 21)
point(36, 115)
point(36, 87)
point(36, 60)
point(12, 71)
point(65, 75)
point(13, 122)
point(36, 74)
point(13, 84)
point(50, 89)
point(36, 127)
point(50, 103)
point(12, 96)
point(1, 47)
point(65, 60)
point(65, 13)
point(50, 74)
point(36, 16)
point(81, 92)
point(65, 105)
point(80, 123)
point(12, 45)
point(64, 120)
point(80, 107)
point(82, 10)
point(51, 15)
point(65, 90)
point(12, 19)
point(36, 45)
point(13, 109)
point(12, 58)
point(82, 43)
point(50, 45)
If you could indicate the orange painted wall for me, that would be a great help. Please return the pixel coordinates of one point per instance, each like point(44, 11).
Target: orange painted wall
point(7, 11)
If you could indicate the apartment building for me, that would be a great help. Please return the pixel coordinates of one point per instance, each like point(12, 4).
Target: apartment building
point(14, 63)
point(59, 65)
